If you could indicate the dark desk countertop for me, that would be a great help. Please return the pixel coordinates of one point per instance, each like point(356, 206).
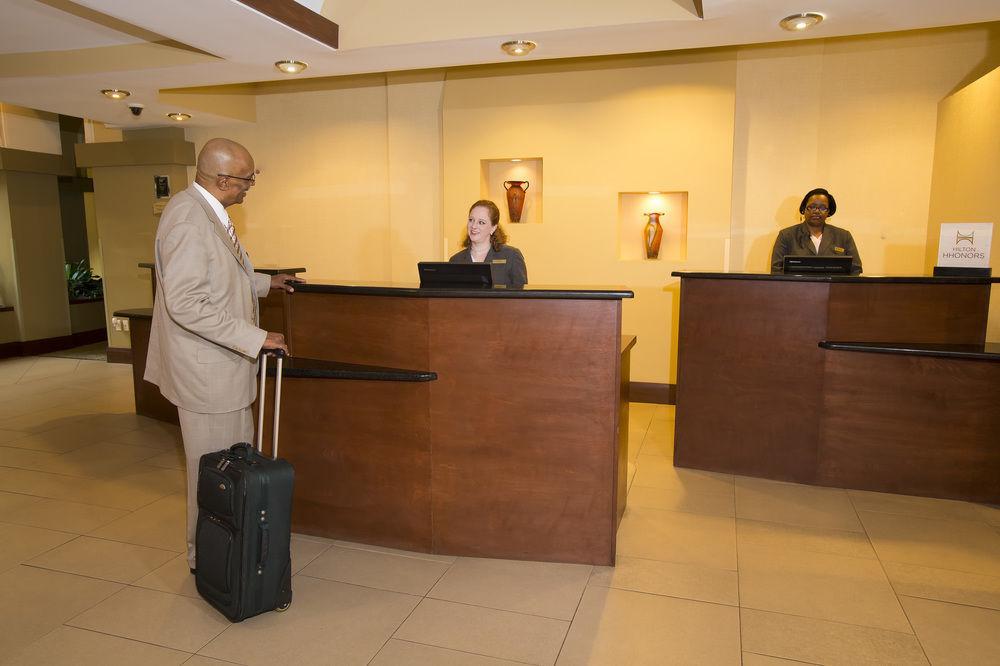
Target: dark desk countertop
point(407, 290)
point(989, 351)
point(258, 269)
point(849, 279)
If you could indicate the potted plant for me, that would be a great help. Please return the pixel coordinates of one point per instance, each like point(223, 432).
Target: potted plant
point(83, 285)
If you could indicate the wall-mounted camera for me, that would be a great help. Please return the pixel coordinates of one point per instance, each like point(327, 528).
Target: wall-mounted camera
point(136, 109)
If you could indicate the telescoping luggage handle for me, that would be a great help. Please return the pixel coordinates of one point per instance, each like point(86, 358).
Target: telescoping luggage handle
point(280, 355)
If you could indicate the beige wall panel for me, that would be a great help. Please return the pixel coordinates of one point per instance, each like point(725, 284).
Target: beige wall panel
point(967, 172)
point(27, 129)
point(856, 116)
point(8, 269)
point(123, 208)
point(321, 200)
point(36, 230)
point(8, 327)
point(663, 126)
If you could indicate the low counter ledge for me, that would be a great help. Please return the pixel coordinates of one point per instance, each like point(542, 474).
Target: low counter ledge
point(989, 351)
point(414, 291)
point(311, 368)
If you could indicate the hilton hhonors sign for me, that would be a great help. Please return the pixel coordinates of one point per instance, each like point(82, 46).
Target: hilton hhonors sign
point(965, 244)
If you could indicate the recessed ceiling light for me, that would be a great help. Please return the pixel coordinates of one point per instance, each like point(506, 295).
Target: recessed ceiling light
point(654, 193)
point(290, 66)
point(179, 117)
point(516, 159)
point(803, 21)
point(518, 47)
point(115, 93)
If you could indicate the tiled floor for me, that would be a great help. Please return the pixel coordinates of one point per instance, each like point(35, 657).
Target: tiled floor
point(712, 569)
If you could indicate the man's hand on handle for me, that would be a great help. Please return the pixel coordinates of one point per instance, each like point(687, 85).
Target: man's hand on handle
point(275, 341)
point(285, 281)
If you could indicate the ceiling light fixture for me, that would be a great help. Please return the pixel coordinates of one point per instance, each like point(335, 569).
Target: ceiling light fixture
point(518, 47)
point(290, 66)
point(115, 93)
point(179, 117)
point(803, 21)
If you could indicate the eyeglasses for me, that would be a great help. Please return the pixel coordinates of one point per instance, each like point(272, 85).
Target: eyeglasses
point(252, 179)
point(815, 207)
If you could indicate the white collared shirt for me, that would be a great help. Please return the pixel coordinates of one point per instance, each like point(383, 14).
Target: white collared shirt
point(217, 206)
point(816, 241)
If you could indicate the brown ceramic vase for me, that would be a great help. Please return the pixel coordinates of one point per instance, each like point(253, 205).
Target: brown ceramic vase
point(652, 235)
point(515, 197)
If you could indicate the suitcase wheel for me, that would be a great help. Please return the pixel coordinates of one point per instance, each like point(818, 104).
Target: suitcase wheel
point(283, 607)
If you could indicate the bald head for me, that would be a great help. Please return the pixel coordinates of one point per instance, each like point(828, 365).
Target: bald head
point(225, 170)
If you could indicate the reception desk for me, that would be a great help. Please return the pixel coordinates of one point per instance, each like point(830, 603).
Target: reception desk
point(505, 436)
point(875, 383)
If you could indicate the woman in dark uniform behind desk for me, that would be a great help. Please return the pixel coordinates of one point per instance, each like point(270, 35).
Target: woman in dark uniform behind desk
point(485, 241)
point(813, 235)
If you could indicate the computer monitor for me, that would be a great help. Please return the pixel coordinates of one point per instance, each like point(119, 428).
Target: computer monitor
point(810, 264)
point(446, 275)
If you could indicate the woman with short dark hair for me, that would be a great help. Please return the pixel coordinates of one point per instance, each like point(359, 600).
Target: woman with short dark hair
point(486, 241)
point(813, 236)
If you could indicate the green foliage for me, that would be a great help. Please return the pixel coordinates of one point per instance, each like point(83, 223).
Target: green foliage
point(82, 283)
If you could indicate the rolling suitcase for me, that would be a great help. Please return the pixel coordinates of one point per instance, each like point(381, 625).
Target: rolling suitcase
point(243, 534)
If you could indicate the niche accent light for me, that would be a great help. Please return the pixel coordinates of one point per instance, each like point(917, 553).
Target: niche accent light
point(179, 117)
point(291, 66)
point(800, 22)
point(518, 47)
point(115, 93)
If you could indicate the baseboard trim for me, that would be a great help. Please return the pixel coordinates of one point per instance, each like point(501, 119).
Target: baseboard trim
point(660, 394)
point(47, 345)
point(120, 355)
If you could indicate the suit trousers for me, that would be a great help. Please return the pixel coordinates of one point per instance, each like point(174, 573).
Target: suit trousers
point(204, 433)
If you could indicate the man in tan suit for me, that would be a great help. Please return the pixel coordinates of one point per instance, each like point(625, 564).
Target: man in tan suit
point(204, 342)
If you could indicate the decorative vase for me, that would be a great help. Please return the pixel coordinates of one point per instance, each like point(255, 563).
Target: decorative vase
point(515, 197)
point(652, 235)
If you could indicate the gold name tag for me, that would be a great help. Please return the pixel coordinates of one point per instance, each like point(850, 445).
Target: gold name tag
point(838, 250)
point(504, 261)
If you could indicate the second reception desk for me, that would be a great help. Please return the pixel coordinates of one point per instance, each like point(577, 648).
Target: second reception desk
point(873, 383)
point(515, 450)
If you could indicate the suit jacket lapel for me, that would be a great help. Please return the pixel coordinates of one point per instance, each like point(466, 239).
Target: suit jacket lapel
point(220, 231)
point(805, 239)
point(827, 241)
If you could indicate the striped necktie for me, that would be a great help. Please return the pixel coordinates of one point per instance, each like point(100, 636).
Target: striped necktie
point(236, 241)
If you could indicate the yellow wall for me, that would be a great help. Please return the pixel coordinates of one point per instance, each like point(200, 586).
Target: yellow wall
point(361, 180)
point(967, 172)
point(28, 129)
point(856, 116)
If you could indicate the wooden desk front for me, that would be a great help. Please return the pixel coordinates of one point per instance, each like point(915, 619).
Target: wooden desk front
point(756, 395)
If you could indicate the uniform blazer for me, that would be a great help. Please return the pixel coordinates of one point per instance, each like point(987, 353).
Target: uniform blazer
point(204, 340)
point(794, 241)
point(506, 265)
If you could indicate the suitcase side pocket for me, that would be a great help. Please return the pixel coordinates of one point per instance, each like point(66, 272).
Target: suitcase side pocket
point(217, 494)
point(217, 555)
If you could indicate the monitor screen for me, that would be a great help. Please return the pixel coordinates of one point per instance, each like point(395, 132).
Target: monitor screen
point(446, 275)
point(818, 264)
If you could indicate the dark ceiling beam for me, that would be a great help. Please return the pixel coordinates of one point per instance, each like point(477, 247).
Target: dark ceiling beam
point(297, 17)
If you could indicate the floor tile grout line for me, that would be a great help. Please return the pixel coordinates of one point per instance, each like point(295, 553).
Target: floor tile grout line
point(412, 610)
point(775, 656)
point(739, 593)
point(662, 596)
point(892, 586)
point(823, 619)
point(125, 638)
point(451, 649)
point(945, 601)
point(576, 610)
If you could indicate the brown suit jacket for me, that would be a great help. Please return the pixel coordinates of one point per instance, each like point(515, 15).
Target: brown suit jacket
point(794, 241)
point(204, 340)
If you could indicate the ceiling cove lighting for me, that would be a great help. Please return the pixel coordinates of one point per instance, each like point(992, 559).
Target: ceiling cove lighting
point(803, 21)
point(179, 117)
point(115, 93)
point(291, 66)
point(518, 47)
